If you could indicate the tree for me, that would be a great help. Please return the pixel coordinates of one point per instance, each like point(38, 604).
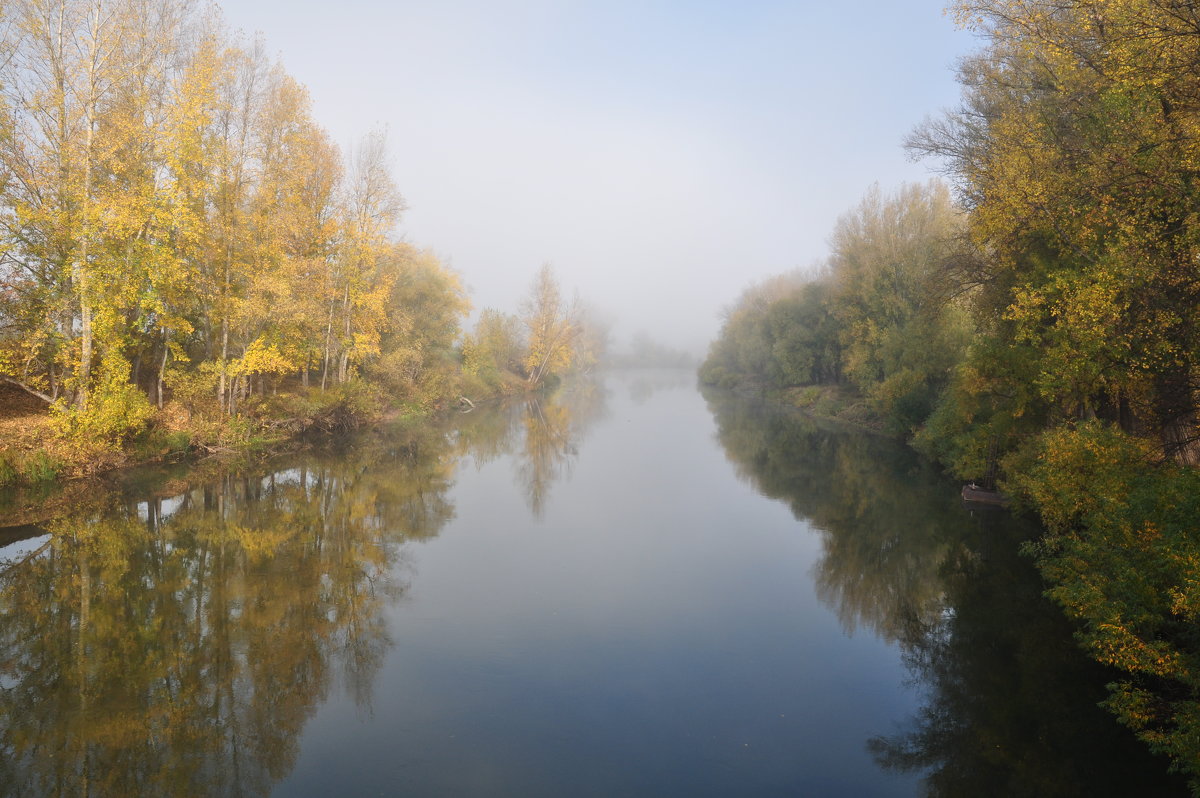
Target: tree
point(361, 281)
point(82, 82)
point(417, 358)
point(552, 328)
point(494, 349)
point(1074, 150)
point(900, 334)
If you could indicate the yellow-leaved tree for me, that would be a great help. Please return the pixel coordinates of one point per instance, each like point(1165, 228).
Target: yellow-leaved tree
point(552, 328)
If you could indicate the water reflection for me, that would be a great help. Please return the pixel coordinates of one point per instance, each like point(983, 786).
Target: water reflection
point(176, 645)
point(1011, 707)
point(181, 641)
point(644, 383)
point(176, 641)
point(542, 432)
point(553, 428)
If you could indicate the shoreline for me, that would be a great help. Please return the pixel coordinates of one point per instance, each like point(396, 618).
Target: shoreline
point(88, 480)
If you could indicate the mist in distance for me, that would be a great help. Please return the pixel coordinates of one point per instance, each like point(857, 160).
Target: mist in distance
point(660, 156)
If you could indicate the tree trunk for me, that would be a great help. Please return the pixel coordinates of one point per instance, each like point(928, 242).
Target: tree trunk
point(328, 346)
point(1177, 417)
point(162, 370)
point(221, 397)
point(47, 398)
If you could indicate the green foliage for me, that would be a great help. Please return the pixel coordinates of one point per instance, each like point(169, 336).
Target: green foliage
point(156, 442)
point(1055, 345)
point(880, 318)
point(1078, 474)
point(762, 341)
point(8, 472)
point(715, 373)
point(35, 467)
point(901, 334)
point(41, 466)
point(1076, 148)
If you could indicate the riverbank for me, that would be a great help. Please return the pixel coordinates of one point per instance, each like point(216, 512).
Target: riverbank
point(43, 473)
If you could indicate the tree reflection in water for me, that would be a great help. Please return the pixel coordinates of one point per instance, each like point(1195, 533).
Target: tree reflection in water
point(553, 427)
point(177, 645)
point(1011, 703)
point(543, 433)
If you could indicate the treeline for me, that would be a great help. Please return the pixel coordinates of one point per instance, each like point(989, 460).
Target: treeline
point(176, 225)
point(875, 316)
point(1048, 330)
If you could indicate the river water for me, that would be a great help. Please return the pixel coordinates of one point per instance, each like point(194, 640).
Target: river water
point(627, 588)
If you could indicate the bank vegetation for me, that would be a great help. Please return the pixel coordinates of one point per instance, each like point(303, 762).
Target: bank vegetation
point(188, 262)
point(1035, 322)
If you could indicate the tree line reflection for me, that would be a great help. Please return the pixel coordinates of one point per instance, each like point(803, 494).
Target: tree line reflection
point(1011, 703)
point(176, 642)
point(542, 434)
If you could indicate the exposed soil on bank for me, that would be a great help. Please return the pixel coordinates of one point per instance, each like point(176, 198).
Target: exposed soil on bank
point(24, 419)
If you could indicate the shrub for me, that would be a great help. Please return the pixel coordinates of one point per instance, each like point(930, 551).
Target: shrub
point(115, 411)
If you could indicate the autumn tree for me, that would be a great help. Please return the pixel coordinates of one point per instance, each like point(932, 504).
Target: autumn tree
point(1074, 150)
point(175, 223)
point(552, 328)
point(361, 279)
point(901, 332)
point(497, 342)
point(418, 361)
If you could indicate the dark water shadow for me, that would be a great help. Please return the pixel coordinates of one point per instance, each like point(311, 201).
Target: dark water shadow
point(176, 641)
point(1010, 701)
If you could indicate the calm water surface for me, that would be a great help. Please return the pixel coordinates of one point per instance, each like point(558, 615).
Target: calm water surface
point(625, 589)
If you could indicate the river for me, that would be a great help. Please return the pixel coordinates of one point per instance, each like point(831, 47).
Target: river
point(628, 588)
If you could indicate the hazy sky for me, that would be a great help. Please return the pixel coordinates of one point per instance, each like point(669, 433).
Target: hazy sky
point(661, 154)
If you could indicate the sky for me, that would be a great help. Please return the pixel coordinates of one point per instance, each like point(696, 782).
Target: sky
point(661, 155)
